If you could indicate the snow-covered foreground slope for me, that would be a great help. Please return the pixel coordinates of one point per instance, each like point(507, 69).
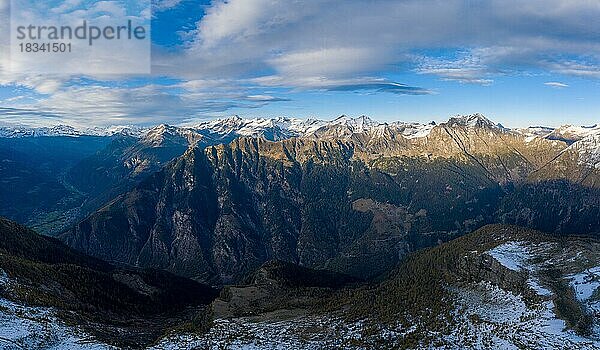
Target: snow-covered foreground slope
point(489, 318)
point(492, 318)
point(507, 320)
point(23, 327)
point(486, 316)
point(248, 333)
point(545, 292)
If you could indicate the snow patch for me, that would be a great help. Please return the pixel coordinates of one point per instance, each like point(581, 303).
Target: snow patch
point(512, 255)
point(588, 150)
point(585, 283)
point(493, 318)
point(415, 130)
point(533, 132)
point(245, 333)
point(535, 285)
point(23, 327)
point(574, 132)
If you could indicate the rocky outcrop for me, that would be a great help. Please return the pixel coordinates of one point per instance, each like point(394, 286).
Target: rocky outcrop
point(475, 267)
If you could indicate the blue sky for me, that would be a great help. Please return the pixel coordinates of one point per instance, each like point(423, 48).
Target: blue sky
point(520, 63)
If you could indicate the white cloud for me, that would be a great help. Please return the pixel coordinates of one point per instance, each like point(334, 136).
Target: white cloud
point(163, 5)
point(149, 104)
point(332, 39)
point(240, 46)
point(66, 6)
point(113, 8)
point(265, 98)
point(556, 84)
point(468, 67)
point(235, 20)
point(327, 62)
point(576, 69)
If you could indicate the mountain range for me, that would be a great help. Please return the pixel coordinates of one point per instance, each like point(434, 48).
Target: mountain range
point(285, 127)
point(222, 209)
point(367, 233)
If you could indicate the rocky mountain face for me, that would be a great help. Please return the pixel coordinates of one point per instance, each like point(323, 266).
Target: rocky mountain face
point(353, 196)
point(57, 176)
point(126, 161)
point(129, 158)
point(80, 169)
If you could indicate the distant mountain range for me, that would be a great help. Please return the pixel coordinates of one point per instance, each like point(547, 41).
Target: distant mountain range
point(283, 127)
point(67, 130)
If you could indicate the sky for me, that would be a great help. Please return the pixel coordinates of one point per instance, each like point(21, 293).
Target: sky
point(520, 63)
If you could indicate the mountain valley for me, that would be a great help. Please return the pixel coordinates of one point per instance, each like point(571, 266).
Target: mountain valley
point(219, 211)
point(286, 233)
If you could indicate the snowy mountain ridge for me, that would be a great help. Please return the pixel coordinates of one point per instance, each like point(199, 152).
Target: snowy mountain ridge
point(588, 149)
point(279, 128)
point(69, 131)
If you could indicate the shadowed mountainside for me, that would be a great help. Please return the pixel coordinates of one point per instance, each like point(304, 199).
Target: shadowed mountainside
point(104, 299)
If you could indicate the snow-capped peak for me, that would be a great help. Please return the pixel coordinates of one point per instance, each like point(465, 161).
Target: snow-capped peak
point(359, 124)
point(162, 133)
point(125, 130)
point(414, 130)
point(534, 132)
point(574, 133)
point(473, 120)
point(270, 128)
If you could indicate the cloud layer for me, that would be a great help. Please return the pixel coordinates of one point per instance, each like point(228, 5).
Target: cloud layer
point(249, 53)
point(339, 39)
